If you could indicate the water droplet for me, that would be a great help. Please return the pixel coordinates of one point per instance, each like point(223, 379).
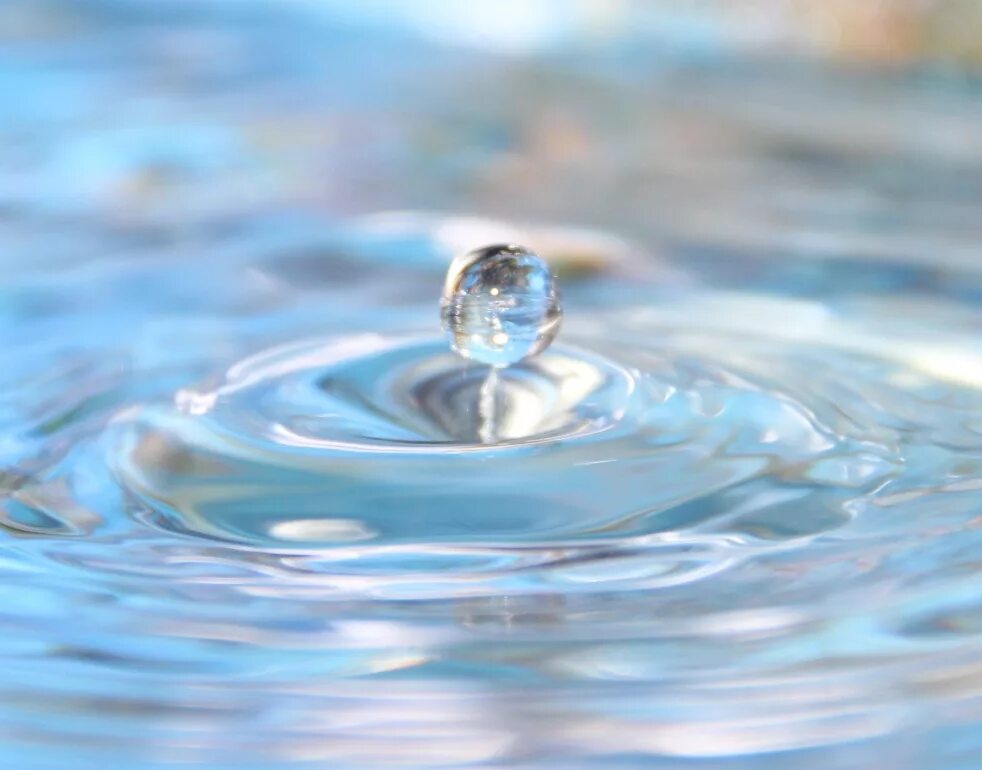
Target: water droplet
point(500, 305)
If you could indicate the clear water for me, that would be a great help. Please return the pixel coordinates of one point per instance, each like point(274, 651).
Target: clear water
point(257, 515)
point(500, 305)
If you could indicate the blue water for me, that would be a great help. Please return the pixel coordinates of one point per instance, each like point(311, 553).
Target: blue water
point(256, 514)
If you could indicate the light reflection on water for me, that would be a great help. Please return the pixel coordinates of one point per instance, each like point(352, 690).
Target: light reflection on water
point(735, 517)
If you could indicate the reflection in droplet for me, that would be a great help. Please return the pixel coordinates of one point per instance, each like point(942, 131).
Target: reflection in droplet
point(500, 305)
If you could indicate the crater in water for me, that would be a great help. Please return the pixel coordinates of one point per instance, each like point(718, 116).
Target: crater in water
point(388, 457)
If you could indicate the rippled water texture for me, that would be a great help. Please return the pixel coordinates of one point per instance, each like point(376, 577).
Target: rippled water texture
point(256, 515)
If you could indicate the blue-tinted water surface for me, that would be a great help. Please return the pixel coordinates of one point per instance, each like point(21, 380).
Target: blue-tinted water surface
point(253, 516)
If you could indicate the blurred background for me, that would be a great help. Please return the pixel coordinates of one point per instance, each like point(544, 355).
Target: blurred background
point(813, 128)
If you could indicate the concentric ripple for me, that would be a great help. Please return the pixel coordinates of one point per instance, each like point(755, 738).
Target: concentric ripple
point(364, 444)
point(680, 509)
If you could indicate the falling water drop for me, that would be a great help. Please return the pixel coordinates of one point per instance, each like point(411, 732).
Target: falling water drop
point(500, 305)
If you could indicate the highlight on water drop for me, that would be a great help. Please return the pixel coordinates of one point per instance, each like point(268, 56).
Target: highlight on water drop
point(500, 304)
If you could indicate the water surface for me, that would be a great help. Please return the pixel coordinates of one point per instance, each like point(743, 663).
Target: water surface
point(253, 516)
